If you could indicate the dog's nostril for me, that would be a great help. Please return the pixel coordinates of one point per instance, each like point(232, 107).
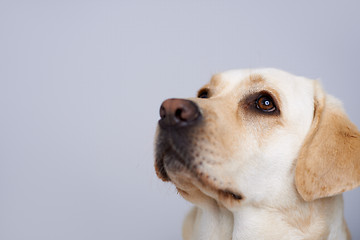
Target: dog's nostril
point(162, 112)
point(178, 114)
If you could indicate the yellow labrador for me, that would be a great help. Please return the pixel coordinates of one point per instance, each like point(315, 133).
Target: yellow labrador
point(262, 154)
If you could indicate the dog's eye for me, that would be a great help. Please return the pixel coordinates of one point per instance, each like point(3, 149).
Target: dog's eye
point(265, 103)
point(203, 93)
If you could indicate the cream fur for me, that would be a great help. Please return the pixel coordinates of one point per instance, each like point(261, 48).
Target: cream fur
point(256, 155)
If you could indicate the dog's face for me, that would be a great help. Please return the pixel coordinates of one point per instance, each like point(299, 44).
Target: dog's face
point(240, 140)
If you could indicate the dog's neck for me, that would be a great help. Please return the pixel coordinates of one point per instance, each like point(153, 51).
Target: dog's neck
point(320, 219)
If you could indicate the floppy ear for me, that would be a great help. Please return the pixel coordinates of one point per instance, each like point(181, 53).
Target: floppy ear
point(329, 161)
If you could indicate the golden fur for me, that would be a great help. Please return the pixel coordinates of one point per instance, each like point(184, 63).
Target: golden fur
point(328, 163)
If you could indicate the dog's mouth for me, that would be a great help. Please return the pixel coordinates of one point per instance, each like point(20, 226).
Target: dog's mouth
point(169, 156)
point(178, 165)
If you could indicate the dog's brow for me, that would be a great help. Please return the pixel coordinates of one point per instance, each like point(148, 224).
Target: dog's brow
point(256, 78)
point(215, 80)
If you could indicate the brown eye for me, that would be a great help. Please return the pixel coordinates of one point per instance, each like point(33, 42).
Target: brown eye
point(265, 103)
point(204, 93)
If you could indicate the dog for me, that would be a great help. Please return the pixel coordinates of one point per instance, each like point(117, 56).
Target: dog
point(262, 154)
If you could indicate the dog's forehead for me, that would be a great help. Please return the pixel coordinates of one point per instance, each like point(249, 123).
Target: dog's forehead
point(231, 80)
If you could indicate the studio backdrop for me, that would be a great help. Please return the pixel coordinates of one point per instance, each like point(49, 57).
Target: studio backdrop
point(81, 83)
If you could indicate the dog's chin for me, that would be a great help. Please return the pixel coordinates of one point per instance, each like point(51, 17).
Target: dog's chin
point(178, 160)
point(172, 167)
point(187, 181)
point(168, 161)
point(191, 181)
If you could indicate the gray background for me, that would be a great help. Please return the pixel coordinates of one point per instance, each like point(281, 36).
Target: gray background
point(81, 83)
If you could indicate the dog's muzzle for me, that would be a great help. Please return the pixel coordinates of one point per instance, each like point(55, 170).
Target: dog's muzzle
point(175, 142)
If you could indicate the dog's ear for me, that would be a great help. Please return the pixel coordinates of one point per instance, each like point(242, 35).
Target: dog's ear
point(329, 161)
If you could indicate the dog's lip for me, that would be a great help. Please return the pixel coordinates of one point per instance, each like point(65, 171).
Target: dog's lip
point(161, 171)
point(161, 166)
point(214, 192)
point(222, 193)
point(231, 194)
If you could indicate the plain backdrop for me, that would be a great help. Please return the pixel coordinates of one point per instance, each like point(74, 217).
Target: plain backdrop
point(81, 83)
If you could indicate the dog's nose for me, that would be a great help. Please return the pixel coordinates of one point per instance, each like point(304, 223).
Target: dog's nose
point(178, 113)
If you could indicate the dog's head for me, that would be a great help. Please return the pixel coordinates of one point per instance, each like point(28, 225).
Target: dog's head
point(257, 136)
